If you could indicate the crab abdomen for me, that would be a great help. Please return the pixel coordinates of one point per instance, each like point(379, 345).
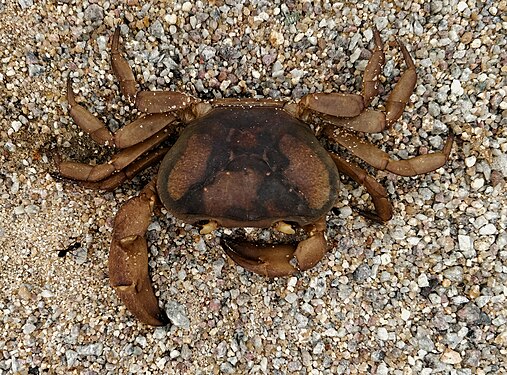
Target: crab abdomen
point(248, 167)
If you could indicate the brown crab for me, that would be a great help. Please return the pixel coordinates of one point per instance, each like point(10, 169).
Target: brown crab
point(241, 163)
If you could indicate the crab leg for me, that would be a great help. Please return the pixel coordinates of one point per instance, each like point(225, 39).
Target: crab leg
point(282, 259)
point(128, 258)
point(368, 121)
point(400, 95)
point(331, 104)
point(131, 134)
point(382, 161)
point(146, 101)
point(87, 121)
point(383, 208)
point(86, 172)
point(373, 69)
point(121, 68)
point(112, 182)
point(346, 110)
point(336, 105)
point(163, 101)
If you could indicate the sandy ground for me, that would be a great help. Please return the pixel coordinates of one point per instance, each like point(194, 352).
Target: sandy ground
point(424, 293)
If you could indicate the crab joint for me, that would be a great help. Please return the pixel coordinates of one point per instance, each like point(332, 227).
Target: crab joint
point(283, 227)
point(209, 227)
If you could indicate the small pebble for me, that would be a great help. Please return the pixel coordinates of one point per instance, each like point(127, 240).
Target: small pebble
point(488, 229)
point(450, 357)
point(477, 183)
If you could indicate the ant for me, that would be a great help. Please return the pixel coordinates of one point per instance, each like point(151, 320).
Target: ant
point(74, 246)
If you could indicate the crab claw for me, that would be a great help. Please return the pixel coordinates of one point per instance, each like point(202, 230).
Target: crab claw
point(281, 259)
point(128, 259)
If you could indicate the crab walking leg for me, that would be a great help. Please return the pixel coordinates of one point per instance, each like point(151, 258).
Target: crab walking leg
point(163, 101)
point(86, 172)
point(131, 134)
point(111, 183)
point(128, 258)
point(382, 161)
point(383, 208)
point(141, 129)
point(146, 101)
point(368, 121)
point(373, 69)
point(330, 104)
point(400, 95)
point(347, 109)
point(282, 259)
point(121, 68)
point(87, 121)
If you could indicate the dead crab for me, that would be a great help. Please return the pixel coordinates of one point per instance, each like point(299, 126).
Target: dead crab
point(241, 163)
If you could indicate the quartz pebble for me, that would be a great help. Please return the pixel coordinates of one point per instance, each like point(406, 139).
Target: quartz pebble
point(451, 357)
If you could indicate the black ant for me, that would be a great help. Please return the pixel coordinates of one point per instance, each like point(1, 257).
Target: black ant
point(71, 248)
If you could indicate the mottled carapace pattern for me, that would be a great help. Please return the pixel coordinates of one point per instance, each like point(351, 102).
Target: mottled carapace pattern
point(249, 166)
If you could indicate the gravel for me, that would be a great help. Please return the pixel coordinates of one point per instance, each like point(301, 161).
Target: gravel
point(423, 294)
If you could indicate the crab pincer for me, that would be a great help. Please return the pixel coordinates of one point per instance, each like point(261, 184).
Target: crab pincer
point(128, 258)
point(280, 259)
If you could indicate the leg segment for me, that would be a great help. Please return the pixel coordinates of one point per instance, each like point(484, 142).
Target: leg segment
point(87, 121)
point(146, 101)
point(368, 121)
point(128, 258)
point(122, 69)
point(111, 183)
point(85, 172)
point(400, 95)
point(383, 208)
point(347, 109)
point(131, 134)
point(331, 104)
point(282, 259)
point(142, 129)
point(373, 69)
point(163, 101)
point(381, 160)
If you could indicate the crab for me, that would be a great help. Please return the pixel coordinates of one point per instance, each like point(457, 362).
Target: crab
point(241, 163)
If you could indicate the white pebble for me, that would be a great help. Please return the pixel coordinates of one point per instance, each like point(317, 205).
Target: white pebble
point(291, 298)
point(345, 212)
point(470, 161)
point(488, 229)
point(16, 125)
point(462, 5)
point(405, 314)
point(171, 19)
point(187, 6)
point(466, 246)
point(46, 293)
point(456, 88)
point(382, 334)
point(422, 281)
point(29, 328)
point(385, 258)
point(292, 282)
point(298, 37)
point(476, 43)
point(477, 183)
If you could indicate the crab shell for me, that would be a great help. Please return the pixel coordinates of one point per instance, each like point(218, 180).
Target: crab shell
point(248, 167)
